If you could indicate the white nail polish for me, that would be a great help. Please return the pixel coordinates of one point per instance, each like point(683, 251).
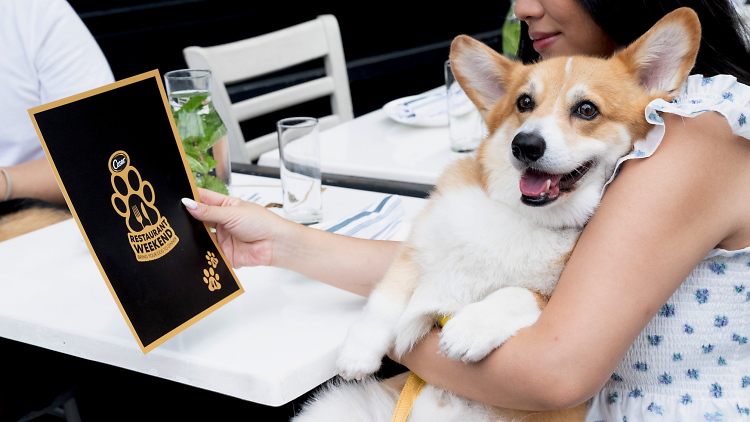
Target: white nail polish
point(190, 203)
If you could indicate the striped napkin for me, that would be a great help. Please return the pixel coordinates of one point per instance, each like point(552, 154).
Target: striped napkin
point(379, 221)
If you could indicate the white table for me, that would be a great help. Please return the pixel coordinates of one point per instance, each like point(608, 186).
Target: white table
point(270, 345)
point(377, 147)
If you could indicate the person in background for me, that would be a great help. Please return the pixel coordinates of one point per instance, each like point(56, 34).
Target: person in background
point(46, 53)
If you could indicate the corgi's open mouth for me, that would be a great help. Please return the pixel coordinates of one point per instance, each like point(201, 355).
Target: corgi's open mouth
point(539, 188)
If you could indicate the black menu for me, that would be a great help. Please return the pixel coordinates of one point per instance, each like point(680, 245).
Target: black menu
point(119, 161)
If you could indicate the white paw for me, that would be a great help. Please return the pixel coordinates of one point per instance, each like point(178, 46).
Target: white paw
point(356, 360)
point(481, 327)
point(470, 339)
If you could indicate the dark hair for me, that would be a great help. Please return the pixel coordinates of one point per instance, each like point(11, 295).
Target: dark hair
point(722, 50)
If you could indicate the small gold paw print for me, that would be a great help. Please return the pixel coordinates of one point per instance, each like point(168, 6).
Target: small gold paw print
point(212, 260)
point(212, 279)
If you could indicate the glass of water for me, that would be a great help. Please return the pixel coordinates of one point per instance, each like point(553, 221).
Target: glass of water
point(467, 128)
point(299, 156)
point(203, 134)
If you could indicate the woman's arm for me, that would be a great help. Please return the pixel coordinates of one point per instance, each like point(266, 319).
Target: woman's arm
point(658, 220)
point(251, 235)
point(32, 179)
point(348, 263)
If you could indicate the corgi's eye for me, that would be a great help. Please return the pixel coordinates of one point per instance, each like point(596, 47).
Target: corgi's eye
point(524, 103)
point(586, 110)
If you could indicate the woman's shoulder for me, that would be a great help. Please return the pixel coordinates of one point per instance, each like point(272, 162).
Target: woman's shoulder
point(699, 151)
point(712, 145)
point(711, 127)
point(711, 111)
point(716, 107)
point(708, 110)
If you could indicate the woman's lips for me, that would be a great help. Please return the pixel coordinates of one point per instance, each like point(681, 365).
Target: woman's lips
point(542, 40)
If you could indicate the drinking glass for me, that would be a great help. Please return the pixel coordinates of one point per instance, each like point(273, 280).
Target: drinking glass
point(299, 155)
point(466, 125)
point(511, 32)
point(203, 133)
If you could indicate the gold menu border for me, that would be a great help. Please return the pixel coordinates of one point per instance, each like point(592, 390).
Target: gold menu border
point(151, 74)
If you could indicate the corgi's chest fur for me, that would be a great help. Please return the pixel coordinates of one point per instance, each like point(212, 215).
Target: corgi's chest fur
point(468, 245)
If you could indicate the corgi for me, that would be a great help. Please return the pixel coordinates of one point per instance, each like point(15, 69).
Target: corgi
point(492, 241)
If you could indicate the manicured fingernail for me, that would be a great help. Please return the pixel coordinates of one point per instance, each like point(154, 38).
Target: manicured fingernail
point(190, 203)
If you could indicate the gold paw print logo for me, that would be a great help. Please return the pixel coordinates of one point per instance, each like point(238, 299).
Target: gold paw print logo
point(149, 233)
point(212, 261)
point(212, 279)
point(210, 276)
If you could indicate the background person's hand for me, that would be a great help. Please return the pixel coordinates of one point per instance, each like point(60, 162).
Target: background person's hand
point(249, 234)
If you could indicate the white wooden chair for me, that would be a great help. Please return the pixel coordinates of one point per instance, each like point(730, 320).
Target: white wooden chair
point(241, 60)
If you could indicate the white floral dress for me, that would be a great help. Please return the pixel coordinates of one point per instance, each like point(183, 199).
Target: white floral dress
point(692, 361)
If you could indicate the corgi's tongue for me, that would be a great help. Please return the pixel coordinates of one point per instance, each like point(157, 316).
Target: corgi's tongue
point(535, 184)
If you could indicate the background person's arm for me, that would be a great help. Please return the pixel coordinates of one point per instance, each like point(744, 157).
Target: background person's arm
point(658, 220)
point(68, 60)
point(32, 179)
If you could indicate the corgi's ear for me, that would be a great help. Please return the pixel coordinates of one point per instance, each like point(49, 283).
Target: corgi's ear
point(481, 72)
point(663, 57)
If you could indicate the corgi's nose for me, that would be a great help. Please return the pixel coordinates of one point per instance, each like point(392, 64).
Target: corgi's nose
point(528, 147)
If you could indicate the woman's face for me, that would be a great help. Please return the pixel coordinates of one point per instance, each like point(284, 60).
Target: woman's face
point(563, 28)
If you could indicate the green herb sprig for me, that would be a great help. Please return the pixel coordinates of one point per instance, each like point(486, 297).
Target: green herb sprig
point(199, 132)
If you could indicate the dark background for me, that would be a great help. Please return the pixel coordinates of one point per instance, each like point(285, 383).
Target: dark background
point(392, 49)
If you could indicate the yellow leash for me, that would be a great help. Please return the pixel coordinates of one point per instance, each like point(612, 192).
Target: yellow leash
point(411, 390)
point(409, 393)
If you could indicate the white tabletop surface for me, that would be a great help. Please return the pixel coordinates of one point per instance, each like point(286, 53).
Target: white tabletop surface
point(375, 146)
point(272, 344)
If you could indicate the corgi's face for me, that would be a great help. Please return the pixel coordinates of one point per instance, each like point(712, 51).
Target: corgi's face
point(558, 127)
point(564, 123)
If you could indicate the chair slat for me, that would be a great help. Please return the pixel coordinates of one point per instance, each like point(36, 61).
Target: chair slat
point(257, 56)
point(242, 60)
point(283, 98)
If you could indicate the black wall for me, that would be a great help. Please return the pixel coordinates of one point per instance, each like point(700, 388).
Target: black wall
point(392, 49)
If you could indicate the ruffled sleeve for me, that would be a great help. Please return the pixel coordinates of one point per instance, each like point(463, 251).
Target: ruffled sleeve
point(721, 93)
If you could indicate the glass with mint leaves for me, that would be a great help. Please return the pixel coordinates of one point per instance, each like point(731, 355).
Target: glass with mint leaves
point(203, 134)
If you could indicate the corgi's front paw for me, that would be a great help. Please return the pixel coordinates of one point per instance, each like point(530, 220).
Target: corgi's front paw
point(481, 327)
point(469, 338)
point(356, 361)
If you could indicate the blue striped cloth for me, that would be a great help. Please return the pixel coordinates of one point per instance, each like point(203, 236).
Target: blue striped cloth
point(379, 221)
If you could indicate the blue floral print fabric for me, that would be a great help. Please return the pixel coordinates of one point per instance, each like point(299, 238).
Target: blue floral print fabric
point(692, 361)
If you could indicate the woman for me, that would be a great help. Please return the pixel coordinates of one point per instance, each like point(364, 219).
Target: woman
point(641, 319)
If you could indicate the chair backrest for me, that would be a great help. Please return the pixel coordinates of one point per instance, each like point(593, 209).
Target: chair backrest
point(253, 57)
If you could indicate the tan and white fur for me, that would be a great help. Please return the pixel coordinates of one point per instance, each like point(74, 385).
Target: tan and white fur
point(481, 250)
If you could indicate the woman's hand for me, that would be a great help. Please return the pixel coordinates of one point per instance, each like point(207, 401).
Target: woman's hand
point(249, 234)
